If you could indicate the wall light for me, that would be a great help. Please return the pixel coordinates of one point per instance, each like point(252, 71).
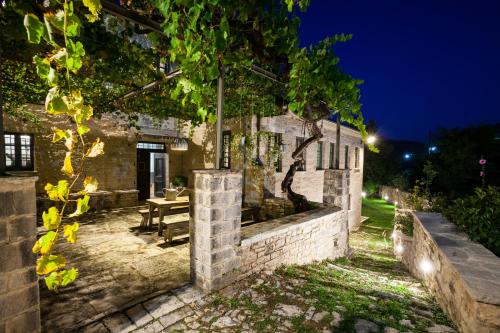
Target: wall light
point(371, 139)
point(399, 248)
point(426, 266)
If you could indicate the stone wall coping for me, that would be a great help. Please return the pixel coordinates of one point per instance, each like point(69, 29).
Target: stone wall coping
point(282, 224)
point(478, 267)
point(126, 191)
point(215, 171)
point(17, 180)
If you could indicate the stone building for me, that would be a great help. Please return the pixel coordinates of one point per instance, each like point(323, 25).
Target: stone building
point(139, 163)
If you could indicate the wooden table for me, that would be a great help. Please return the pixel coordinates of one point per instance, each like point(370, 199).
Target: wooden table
point(163, 207)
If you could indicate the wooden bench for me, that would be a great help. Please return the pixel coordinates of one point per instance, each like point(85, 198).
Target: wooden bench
point(175, 225)
point(145, 213)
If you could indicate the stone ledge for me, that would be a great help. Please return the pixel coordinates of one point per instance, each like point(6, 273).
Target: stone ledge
point(476, 265)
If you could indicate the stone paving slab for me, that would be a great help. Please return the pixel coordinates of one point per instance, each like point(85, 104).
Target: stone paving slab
point(118, 266)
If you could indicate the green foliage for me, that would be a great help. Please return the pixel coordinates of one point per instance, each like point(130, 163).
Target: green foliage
point(63, 99)
point(478, 215)
point(179, 181)
point(404, 223)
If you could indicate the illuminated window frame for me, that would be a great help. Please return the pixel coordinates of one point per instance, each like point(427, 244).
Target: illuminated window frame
point(19, 152)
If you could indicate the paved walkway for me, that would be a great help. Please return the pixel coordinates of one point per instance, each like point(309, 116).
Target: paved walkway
point(118, 265)
point(371, 292)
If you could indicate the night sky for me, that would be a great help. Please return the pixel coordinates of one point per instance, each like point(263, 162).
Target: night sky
point(426, 63)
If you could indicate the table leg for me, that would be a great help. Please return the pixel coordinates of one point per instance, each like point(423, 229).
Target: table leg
point(160, 213)
point(150, 218)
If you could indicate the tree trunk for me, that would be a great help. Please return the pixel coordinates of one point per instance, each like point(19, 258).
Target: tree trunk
point(299, 201)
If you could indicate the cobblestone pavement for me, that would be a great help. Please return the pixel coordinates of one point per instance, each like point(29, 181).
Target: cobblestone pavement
point(118, 264)
point(371, 292)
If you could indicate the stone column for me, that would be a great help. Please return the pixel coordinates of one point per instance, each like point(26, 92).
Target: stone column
point(19, 295)
point(214, 228)
point(336, 188)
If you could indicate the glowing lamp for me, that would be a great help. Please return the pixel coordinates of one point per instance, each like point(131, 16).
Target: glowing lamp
point(399, 248)
point(386, 197)
point(363, 194)
point(426, 266)
point(371, 139)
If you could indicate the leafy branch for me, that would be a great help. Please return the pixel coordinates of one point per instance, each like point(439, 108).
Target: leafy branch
point(62, 99)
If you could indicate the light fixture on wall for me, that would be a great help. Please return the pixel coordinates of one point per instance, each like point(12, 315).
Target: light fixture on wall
point(179, 144)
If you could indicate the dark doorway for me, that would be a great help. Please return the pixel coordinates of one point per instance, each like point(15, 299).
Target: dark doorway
point(148, 153)
point(159, 174)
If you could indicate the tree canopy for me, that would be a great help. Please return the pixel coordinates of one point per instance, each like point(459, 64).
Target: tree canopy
point(203, 38)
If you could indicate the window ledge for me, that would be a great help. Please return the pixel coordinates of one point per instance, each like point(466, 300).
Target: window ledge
point(22, 173)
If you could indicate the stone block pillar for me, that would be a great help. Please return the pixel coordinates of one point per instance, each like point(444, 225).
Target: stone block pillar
point(19, 295)
point(336, 188)
point(214, 228)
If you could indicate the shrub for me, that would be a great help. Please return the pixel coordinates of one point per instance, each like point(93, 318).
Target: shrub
point(478, 215)
point(404, 223)
point(179, 181)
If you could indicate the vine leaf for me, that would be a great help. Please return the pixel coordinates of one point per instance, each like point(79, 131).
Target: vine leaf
point(96, 149)
point(94, 6)
point(70, 232)
point(67, 166)
point(34, 28)
point(49, 263)
point(57, 192)
point(55, 103)
point(61, 278)
point(90, 184)
point(82, 129)
point(51, 218)
point(82, 206)
point(45, 243)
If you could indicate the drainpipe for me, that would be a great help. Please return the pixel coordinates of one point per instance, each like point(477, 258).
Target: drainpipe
point(220, 112)
point(2, 139)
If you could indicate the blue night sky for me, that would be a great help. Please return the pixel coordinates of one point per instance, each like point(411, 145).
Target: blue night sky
point(426, 63)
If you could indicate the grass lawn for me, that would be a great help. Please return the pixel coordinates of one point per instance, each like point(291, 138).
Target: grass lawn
point(376, 231)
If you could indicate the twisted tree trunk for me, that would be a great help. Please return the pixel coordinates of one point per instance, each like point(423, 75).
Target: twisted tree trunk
point(299, 201)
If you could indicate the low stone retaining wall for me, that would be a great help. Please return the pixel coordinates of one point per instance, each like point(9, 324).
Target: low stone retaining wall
point(394, 195)
point(463, 276)
point(296, 239)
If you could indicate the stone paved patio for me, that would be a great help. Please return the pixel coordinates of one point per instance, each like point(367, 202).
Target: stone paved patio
point(119, 265)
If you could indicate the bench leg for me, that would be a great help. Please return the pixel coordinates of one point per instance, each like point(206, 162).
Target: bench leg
point(168, 237)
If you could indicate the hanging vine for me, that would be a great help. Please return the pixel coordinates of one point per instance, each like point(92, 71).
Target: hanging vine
point(59, 30)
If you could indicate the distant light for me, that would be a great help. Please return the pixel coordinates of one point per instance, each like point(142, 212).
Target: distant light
point(371, 139)
point(363, 194)
point(399, 248)
point(426, 266)
point(433, 149)
point(386, 197)
point(407, 156)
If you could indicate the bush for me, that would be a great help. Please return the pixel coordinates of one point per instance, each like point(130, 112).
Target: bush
point(404, 223)
point(478, 215)
point(179, 181)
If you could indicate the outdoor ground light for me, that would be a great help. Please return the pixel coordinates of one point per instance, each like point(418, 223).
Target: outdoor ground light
point(386, 197)
point(426, 266)
point(399, 248)
point(395, 203)
point(363, 194)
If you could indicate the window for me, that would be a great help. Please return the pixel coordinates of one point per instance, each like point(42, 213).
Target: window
point(319, 156)
point(298, 142)
point(274, 152)
point(356, 157)
point(331, 159)
point(151, 146)
point(18, 151)
point(346, 159)
point(226, 150)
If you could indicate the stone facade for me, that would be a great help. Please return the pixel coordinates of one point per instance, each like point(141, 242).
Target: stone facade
point(463, 275)
point(116, 171)
point(19, 295)
point(394, 195)
point(215, 225)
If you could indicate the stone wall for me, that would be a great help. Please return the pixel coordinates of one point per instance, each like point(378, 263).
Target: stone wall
point(393, 194)
point(296, 239)
point(463, 276)
point(19, 296)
